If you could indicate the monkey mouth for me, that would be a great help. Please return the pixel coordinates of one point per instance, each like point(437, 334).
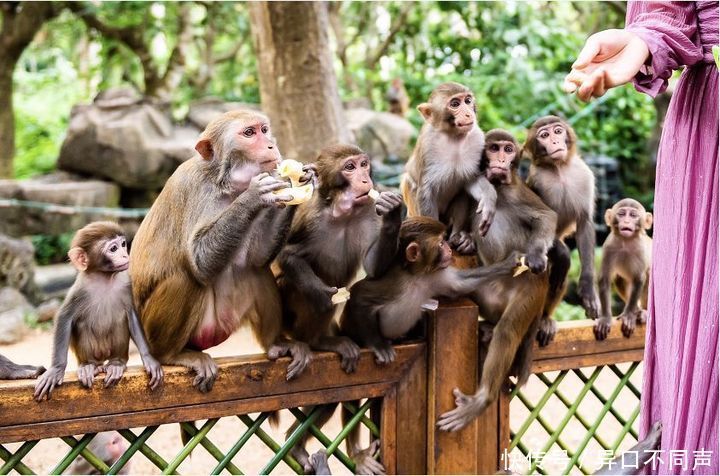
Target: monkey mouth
point(122, 267)
point(463, 125)
point(363, 197)
point(558, 153)
point(627, 230)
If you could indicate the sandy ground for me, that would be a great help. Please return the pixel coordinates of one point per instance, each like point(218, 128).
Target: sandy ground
point(36, 349)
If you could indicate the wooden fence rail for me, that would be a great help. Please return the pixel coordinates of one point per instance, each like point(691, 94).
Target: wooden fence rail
point(414, 391)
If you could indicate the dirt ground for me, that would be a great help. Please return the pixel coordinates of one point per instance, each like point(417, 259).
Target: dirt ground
point(36, 349)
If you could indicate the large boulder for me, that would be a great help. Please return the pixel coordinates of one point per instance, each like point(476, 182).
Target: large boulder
point(40, 216)
point(385, 137)
point(125, 139)
point(14, 308)
point(17, 264)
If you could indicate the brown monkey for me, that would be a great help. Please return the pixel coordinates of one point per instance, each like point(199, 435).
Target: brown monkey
point(567, 185)
point(522, 223)
point(387, 305)
point(97, 318)
point(397, 97)
point(9, 370)
point(626, 261)
point(445, 165)
point(108, 446)
point(339, 230)
point(200, 259)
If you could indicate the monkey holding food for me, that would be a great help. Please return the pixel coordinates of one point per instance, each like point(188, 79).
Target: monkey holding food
point(627, 256)
point(97, 318)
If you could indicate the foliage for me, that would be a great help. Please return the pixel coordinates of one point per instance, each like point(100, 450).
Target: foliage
point(51, 249)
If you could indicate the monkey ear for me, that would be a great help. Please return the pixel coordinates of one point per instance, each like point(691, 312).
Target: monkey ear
point(426, 110)
point(205, 149)
point(78, 258)
point(608, 216)
point(647, 223)
point(412, 252)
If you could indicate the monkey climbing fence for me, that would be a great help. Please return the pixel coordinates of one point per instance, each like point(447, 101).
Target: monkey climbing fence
point(234, 436)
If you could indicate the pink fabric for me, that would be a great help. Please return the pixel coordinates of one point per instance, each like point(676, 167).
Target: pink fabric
point(680, 385)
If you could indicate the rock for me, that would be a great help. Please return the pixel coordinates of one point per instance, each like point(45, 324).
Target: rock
point(13, 310)
point(17, 264)
point(384, 136)
point(59, 189)
point(46, 311)
point(126, 140)
point(202, 111)
point(55, 279)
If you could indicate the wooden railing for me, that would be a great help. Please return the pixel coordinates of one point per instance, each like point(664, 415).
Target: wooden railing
point(413, 391)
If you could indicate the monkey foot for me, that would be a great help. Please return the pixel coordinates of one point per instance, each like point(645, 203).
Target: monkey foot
point(319, 462)
point(366, 462)
point(86, 374)
point(300, 352)
point(302, 457)
point(547, 328)
point(26, 371)
point(601, 329)
point(629, 321)
point(468, 407)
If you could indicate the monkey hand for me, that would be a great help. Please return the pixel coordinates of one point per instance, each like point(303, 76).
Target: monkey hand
point(537, 262)
point(154, 371)
point(366, 460)
point(467, 408)
point(387, 203)
point(590, 300)
point(602, 327)
point(310, 175)
point(321, 297)
point(113, 373)
point(547, 328)
point(319, 463)
point(86, 374)
point(263, 185)
point(462, 242)
point(47, 382)
point(486, 210)
point(384, 353)
point(300, 352)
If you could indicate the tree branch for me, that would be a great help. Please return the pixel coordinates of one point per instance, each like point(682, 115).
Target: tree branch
point(395, 27)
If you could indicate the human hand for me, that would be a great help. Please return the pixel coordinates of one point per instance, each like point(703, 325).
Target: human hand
point(609, 58)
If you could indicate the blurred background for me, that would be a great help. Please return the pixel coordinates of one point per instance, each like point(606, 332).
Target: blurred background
point(100, 101)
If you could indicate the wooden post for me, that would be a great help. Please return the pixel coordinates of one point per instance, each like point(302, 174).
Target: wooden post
point(453, 363)
point(411, 430)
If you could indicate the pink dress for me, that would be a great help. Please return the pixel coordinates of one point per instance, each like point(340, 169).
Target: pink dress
point(681, 356)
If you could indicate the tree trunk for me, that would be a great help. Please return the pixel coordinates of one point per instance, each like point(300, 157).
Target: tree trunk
point(298, 87)
point(7, 120)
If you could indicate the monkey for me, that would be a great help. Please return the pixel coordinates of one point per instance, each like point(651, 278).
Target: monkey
point(9, 370)
point(332, 236)
point(108, 446)
point(339, 230)
point(319, 462)
point(200, 261)
point(444, 167)
point(522, 223)
point(97, 317)
point(626, 264)
point(567, 185)
point(397, 98)
point(383, 307)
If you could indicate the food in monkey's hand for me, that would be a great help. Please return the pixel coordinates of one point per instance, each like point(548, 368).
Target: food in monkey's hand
point(521, 267)
point(374, 194)
point(293, 170)
point(341, 296)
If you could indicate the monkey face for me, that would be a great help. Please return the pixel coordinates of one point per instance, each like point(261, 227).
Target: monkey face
point(114, 255)
point(254, 138)
point(553, 140)
point(355, 171)
point(445, 254)
point(628, 218)
point(460, 112)
point(500, 156)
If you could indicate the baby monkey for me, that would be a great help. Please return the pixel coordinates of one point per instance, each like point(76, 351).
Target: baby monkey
point(97, 317)
point(626, 263)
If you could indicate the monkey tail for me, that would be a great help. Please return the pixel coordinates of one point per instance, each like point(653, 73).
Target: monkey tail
point(274, 418)
point(185, 436)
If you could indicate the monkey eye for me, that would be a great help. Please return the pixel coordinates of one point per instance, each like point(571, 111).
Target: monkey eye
point(249, 132)
point(264, 129)
point(364, 164)
point(544, 134)
point(455, 103)
point(633, 214)
point(559, 130)
point(509, 149)
point(124, 244)
point(349, 166)
point(113, 248)
point(494, 147)
point(468, 100)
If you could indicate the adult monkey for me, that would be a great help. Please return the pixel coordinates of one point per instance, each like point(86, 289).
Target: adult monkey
point(200, 260)
point(567, 185)
point(523, 223)
point(445, 165)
